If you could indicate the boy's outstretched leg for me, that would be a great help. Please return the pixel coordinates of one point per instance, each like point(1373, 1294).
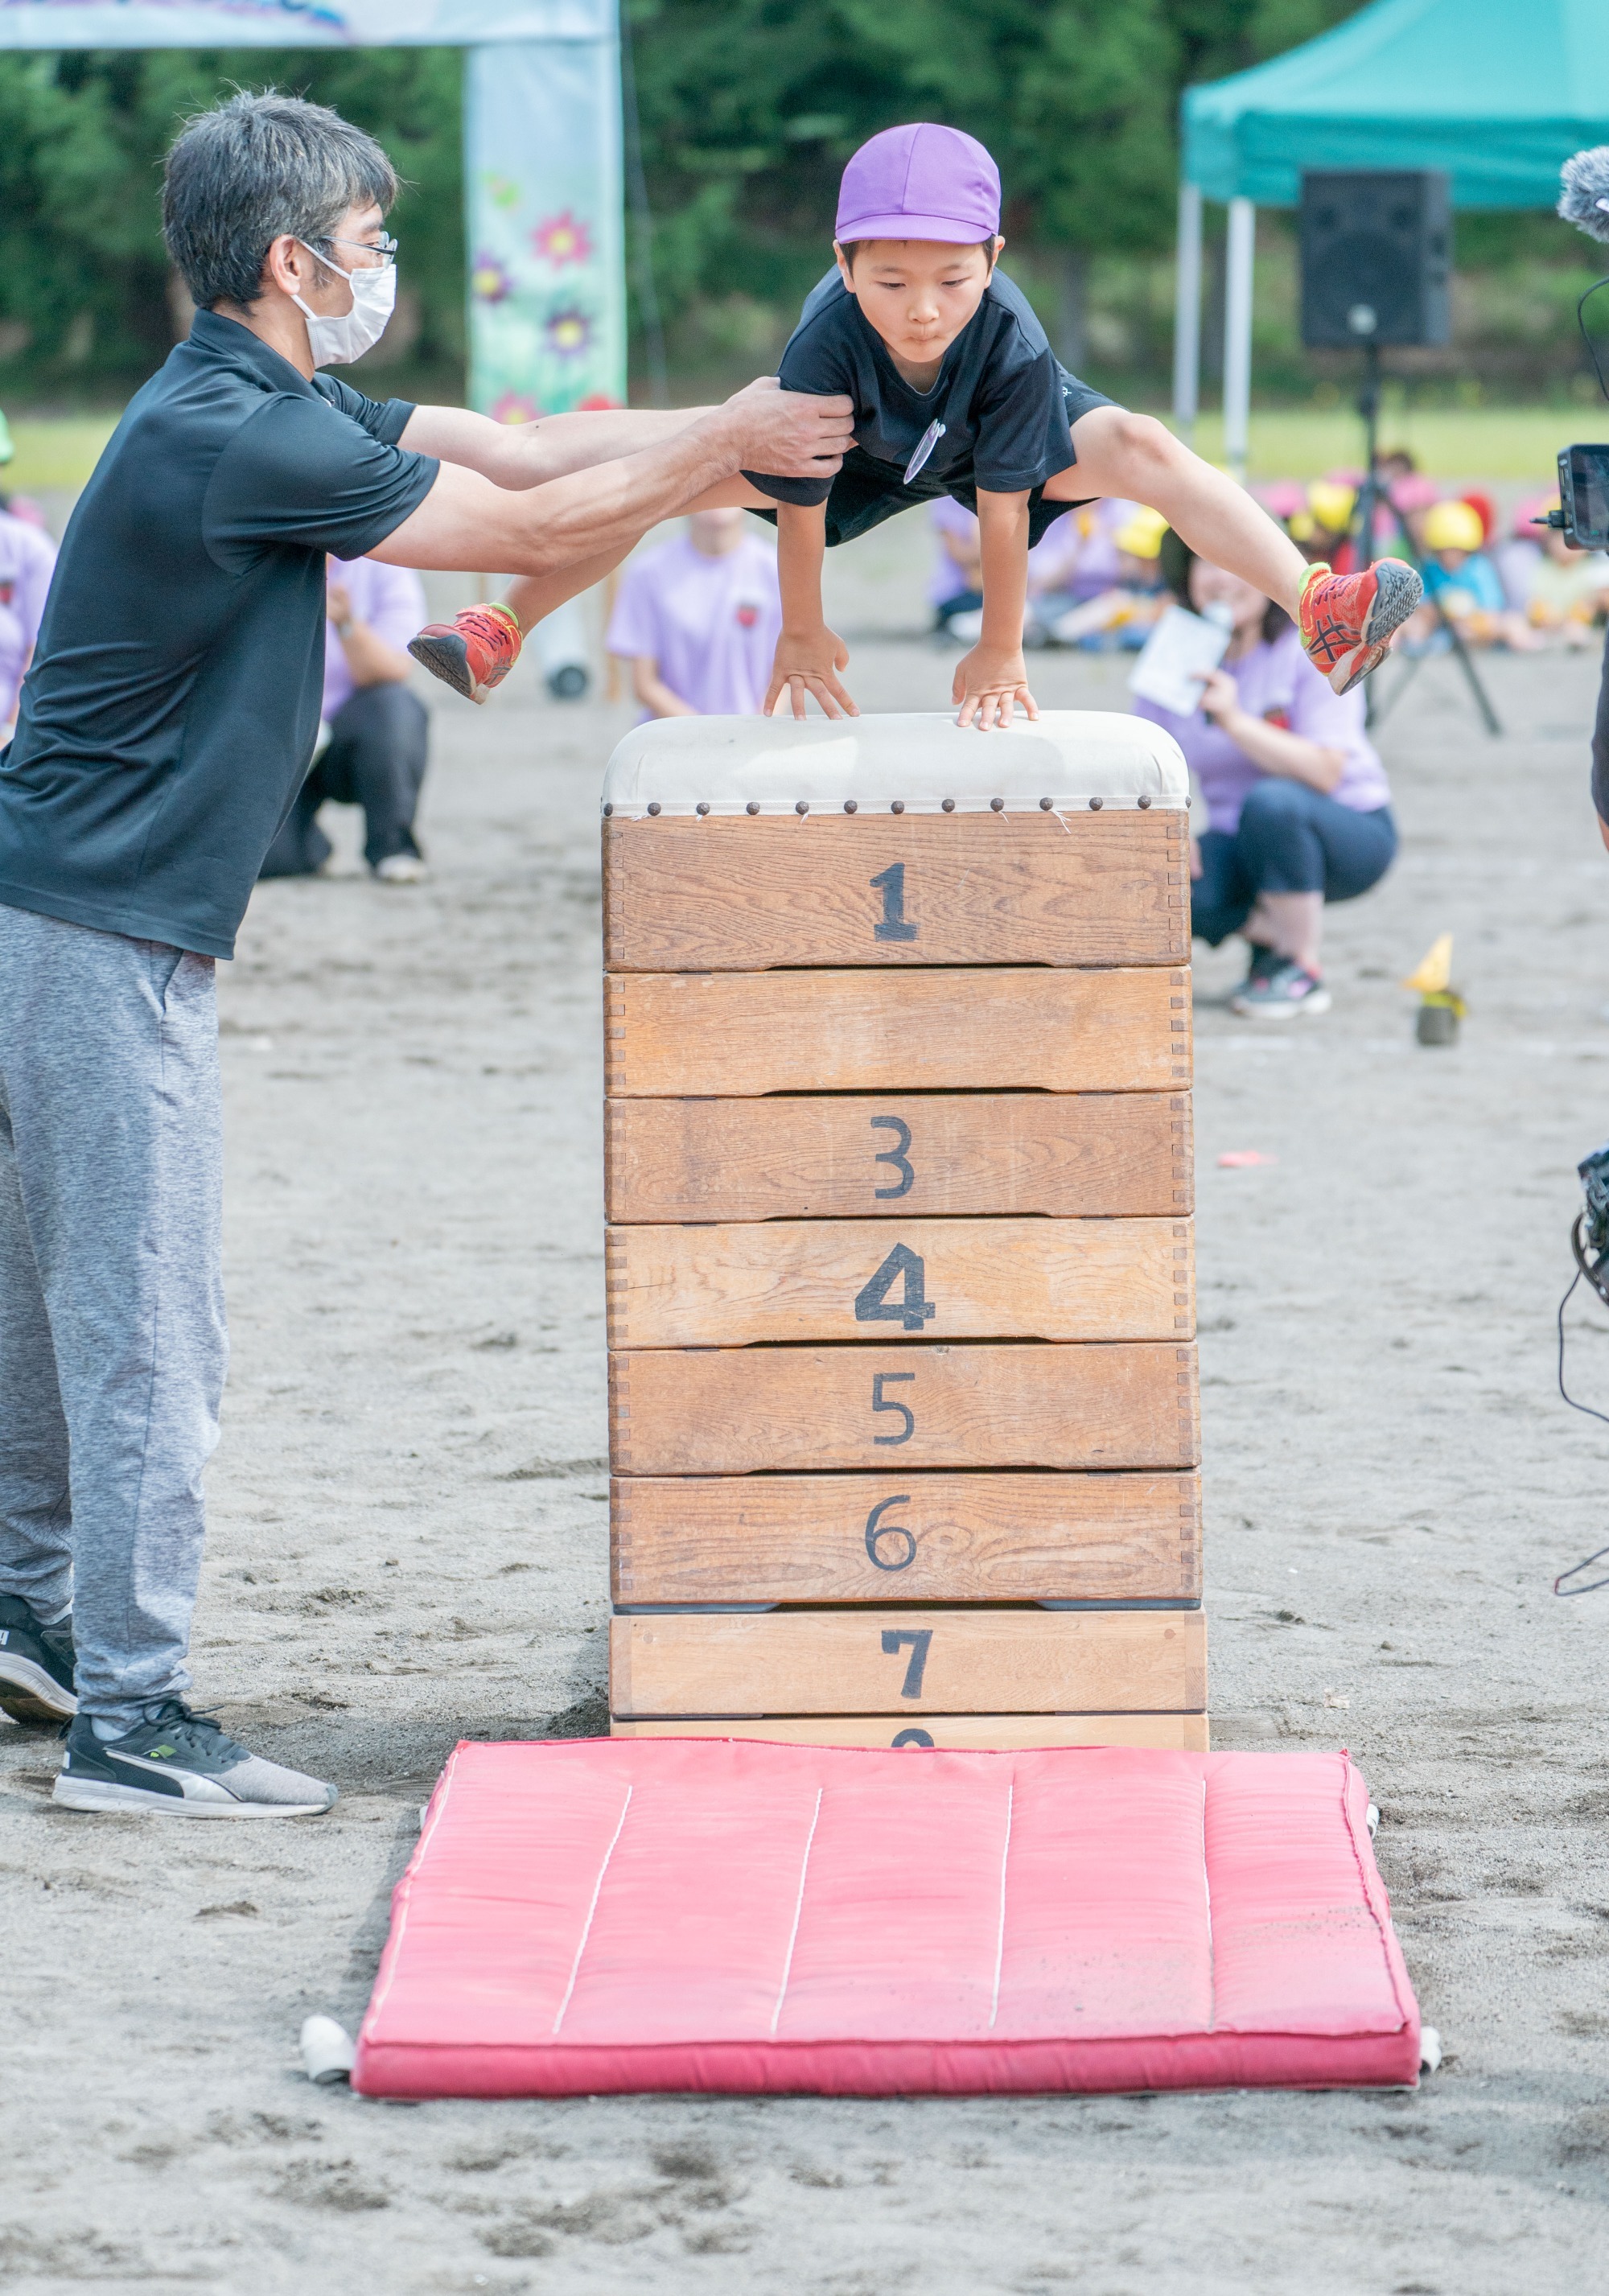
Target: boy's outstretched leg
point(1347, 620)
point(475, 653)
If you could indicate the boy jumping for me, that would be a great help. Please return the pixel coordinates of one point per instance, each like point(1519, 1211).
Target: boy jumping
point(957, 392)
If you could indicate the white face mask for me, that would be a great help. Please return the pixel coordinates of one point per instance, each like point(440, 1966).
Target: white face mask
point(337, 343)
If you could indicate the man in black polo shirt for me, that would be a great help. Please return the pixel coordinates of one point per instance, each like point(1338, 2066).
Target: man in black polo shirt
point(165, 728)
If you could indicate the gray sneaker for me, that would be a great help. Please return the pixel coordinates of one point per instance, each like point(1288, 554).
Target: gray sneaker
point(36, 1665)
point(1280, 994)
point(185, 1765)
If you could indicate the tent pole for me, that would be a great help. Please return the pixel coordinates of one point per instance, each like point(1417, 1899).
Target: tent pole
point(1187, 311)
point(1237, 336)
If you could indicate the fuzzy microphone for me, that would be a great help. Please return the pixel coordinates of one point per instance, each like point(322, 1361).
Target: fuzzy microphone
point(1584, 201)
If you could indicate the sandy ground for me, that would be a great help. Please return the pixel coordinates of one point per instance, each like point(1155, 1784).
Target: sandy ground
point(409, 1544)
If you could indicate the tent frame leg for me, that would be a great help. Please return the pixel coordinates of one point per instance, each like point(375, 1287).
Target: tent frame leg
point(1237, 337)
point(1186, 312)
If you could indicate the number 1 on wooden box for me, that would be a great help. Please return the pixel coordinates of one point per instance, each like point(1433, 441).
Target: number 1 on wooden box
point(893, 925)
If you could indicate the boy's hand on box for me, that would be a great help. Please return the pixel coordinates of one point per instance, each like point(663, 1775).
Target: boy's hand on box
point(808, 662)
point(988, 684)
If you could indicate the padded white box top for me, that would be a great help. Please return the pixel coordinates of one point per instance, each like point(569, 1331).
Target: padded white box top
point(898, 763)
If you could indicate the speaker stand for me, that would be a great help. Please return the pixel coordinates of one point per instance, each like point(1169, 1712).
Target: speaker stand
point(1370, 495)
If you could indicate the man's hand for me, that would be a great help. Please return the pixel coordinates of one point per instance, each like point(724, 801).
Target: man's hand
point(988, 683)
point(338, 604)
point(790, 434)
point(807, 661)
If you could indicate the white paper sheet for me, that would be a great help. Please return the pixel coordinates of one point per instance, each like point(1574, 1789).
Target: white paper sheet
point(1177, 649)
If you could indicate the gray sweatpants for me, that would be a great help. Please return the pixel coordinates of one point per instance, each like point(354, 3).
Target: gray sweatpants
point(112, 1341)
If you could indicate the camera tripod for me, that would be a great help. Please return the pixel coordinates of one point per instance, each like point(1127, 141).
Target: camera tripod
point(1361, 531)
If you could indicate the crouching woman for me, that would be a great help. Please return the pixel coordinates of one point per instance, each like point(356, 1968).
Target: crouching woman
point(1297, 803)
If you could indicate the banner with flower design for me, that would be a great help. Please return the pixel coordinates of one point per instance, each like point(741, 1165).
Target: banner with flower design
point(543, 189)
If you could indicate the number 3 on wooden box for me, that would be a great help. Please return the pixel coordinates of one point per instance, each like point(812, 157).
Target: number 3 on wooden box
point(896, 1156)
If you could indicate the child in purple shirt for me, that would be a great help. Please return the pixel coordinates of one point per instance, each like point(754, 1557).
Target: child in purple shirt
point(698, 620)
point(1297, 803)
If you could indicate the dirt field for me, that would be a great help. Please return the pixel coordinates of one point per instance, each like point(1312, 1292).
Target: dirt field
point(409, 1542)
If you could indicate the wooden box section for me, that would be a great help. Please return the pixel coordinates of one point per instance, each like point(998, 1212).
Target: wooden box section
point(731, 1411)
point(1105, 1154)
point(736, 1036)
point(738, 895)
point(921, 1539)
point(784, 1280)
point(1184, 1733)
point(910, 1662)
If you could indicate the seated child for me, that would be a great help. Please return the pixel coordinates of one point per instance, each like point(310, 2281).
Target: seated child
point(959, 392)
point(1123, 613)
point(1568, 591)
point(1461, 580)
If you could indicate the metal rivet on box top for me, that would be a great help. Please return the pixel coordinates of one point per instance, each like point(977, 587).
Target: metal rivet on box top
point(849, 804)
point(1046, 805)
point(1144, 804)
point(703, 805)
point(752, 806)
point(997, 805)
point(608, 809)
point(1096, 804)
point(801, 806)
point(655, 805)
point(898, 806)
point(946, 805)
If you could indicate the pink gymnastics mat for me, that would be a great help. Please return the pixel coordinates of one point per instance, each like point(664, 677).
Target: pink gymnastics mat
point(602, 1915)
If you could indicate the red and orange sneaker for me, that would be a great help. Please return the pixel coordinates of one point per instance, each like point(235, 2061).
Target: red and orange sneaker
point(1347, 620)
point(472, 653)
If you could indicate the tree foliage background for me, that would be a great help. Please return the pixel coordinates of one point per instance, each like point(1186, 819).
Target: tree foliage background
point(748, 110)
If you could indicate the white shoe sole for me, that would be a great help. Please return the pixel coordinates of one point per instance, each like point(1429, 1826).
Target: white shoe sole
point(1318, 1002)
point(91, 1794)
point(29, 1694)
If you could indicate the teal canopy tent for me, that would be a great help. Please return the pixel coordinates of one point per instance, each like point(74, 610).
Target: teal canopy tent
point(1495, 93)
point(542, 159)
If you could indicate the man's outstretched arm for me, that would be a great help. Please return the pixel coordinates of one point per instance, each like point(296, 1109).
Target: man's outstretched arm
point(469, 523)
point(521, 455)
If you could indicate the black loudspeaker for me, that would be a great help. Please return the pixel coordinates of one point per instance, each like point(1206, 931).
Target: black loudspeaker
point(1376, 259)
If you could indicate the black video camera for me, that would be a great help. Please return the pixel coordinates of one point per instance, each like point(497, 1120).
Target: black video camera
point(1583, 512)
point(1590, 1233)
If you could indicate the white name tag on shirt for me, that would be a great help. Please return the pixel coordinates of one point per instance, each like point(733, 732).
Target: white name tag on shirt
point(924, 447)
point(1179, 650)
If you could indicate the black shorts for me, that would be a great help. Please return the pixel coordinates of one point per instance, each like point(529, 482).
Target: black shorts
point(866, 491)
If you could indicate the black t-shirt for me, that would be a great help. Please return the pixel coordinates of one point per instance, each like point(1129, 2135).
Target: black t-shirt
point(168, 717)
point(999, 396)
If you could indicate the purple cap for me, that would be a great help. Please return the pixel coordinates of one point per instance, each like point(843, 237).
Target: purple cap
point(920, 182)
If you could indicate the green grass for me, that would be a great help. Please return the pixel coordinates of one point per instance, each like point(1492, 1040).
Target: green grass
point(1288, 442)
point(55, 451)
point(1452, 442)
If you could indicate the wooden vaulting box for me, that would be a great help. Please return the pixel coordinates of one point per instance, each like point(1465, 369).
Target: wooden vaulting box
point(903, 1414)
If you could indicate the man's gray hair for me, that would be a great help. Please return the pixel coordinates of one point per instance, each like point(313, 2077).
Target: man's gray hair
point(258, 166)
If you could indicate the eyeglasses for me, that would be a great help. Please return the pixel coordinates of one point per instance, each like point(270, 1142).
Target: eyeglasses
point(384, 248)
